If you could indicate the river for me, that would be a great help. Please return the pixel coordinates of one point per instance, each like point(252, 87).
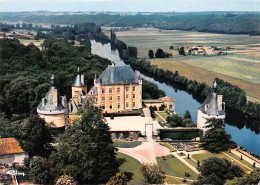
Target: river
point(243, 134)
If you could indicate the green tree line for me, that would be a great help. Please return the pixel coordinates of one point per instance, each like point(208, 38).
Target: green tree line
point(215, 22)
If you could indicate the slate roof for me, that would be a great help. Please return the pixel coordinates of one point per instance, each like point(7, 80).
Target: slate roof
point(48, 105)
point(118, 75)
point(212, 103)
point(48, 99)
point(10, 146)
point(77, 81)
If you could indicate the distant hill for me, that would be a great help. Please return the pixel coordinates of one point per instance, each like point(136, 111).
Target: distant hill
point(214, 22)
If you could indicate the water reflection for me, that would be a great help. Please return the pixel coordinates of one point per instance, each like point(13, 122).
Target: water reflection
point(244, 132)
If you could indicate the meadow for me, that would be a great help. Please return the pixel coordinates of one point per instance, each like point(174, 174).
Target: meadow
point(240, 67)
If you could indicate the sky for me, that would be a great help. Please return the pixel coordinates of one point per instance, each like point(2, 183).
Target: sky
point(129, 5)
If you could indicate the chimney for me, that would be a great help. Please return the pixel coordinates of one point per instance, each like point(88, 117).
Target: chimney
point(64, 101)
point(220, 102)
point(43, 102)
point(82, 79)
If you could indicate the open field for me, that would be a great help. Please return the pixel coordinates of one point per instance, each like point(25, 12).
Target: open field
point(205, 75)
point(132, 167)
point(175, 167)
point(152, 38)
point(240, 67)
point(35, 42)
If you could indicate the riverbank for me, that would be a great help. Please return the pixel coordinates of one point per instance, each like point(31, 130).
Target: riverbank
point(243, 132)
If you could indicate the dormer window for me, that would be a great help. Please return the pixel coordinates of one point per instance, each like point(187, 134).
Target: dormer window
point(206, 107)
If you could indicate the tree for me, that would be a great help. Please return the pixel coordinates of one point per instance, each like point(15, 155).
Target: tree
point(39, 170)
point(217, 171)
point(187, 115)
point(216, 139)
point(153, 174)
point(171, 47)
point(87, 140)
point(35, 136)
point(181, 51)
point(132, 51)
point(252, 178)
point(150, 54)
point(159, 53)
point(118, 179)
point(174, 120)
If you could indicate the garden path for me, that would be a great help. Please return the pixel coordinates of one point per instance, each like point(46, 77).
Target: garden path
point(147, 151)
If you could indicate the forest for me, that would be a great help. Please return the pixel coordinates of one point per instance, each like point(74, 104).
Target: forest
point(214, 22)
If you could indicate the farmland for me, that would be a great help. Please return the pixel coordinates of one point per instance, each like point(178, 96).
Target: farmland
point(240, 67)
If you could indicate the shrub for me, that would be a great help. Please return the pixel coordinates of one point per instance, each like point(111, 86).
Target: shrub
point(168, 146)
point(153, 174)
point(118, 179)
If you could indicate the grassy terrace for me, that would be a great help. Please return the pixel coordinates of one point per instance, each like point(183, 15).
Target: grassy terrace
point(242, 161)
point(175, 167)
point(131, 167)
point(163, 114)
point(158, 118)
point(192, 162)
point(206, 155)
point(172, 180)
point(126, 144)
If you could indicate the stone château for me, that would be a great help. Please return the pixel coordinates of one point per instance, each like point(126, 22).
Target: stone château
point(117, 89)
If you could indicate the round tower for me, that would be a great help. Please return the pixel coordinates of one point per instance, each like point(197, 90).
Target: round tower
point(53, 107)
point(212, 107)
point(78, 86)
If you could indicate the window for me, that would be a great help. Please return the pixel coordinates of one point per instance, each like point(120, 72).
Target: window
point(118, 90)
point(110, 98)
point(103, 91)
point(110, 106)
point(127, 104)
point(134, 89)
point(134, 104)
point(103, 98)
point(118, 98)
point(127, 89)
point(134, 96)
point(103, 106)
point(110, 90)
point(127, 96)
point(118, 105)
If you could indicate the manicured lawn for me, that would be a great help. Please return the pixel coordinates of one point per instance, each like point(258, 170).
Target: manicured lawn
point(193, 163)
point(158, 118)
point(242, 161)
point(175, 167)
point(126, 144)
point(207, 155)
point(172, 180)
point(131, 167)
point(163, 114)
